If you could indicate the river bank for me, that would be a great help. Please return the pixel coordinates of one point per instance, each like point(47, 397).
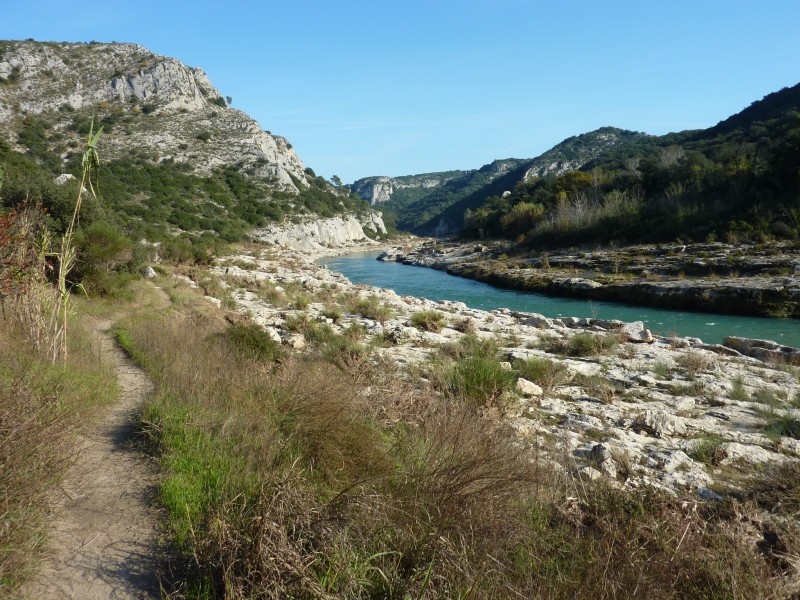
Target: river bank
point(751, 280)
point(618, 402)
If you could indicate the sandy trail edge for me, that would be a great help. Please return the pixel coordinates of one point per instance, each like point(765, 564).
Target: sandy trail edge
point(102, 541)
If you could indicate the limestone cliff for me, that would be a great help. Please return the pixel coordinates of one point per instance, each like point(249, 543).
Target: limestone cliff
point(380, 189)
point(156, 104)
point(335, 232)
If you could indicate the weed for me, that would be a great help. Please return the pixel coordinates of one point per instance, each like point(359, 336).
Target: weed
point(251, 340)
point(662, 370)
point(428, 320)
point(779, 426)
point(370, 308)
point(465, 325)
point(581, 344)
point(544, 372)
point(765, 396)
point(481, 380)
point(738, 391)
point(694, 362)
point(709, 450)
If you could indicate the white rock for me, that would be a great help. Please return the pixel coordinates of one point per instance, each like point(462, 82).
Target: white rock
point(295, 341)
point(528, 388)
point(636, 332)
point(659, 423)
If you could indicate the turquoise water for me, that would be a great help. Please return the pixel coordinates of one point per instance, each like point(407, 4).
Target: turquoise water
point(438, 285)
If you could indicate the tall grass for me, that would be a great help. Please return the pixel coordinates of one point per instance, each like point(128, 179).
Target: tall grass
point(295, 479)
point(41, 407)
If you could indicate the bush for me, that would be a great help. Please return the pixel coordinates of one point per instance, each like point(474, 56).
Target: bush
point(370, 308)
point(252, 341)
point(479, 379)
point(546, 373)
point(429, 320)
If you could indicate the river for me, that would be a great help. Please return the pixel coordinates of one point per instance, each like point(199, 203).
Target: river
point(438, 285)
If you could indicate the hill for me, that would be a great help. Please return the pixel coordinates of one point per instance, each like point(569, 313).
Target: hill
point(737, 179)
point(177, 158)
point(434, 203)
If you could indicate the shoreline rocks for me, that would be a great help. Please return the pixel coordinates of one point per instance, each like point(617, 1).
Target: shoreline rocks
point(729, 280)
point(667, 412)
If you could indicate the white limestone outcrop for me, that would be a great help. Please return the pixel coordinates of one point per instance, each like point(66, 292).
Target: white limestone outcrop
point(334, 232)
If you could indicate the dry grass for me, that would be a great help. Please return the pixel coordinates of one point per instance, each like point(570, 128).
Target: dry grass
point(41, 407)
point(304, 478)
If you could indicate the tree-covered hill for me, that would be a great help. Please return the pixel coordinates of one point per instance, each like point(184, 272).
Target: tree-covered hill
point(739, 180)
point(736, 180)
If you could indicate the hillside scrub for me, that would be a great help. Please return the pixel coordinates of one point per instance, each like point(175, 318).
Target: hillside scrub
point(299, 476)
point(734, 182)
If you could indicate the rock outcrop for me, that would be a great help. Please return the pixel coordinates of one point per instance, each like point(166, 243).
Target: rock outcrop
point(706, 277)
point(668, 414)
point(156, 104)
point(380, 189)
point(334, 232)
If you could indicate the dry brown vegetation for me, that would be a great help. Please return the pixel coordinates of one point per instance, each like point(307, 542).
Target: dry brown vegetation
point(41, 407)
point(308, 477)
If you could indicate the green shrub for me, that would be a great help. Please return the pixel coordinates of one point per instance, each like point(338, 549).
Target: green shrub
point(709, 450)
point(251, 340)
point(428, 320)
point(370, 308)
point(479, 379)
point(779, 426)
point(544, 372)
point(588, 344)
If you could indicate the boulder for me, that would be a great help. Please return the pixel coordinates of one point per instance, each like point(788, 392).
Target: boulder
point(528, 388)
point(148, 273)
point(637, 332)
point(295, 341)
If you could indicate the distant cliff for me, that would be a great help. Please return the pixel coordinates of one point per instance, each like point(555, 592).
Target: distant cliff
point(335, 232)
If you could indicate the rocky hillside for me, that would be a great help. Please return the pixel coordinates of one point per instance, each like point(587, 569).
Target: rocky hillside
point(177, 159)
point(145, 101)
point(434, 203)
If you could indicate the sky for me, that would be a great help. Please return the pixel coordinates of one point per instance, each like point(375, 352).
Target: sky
point(400, 87)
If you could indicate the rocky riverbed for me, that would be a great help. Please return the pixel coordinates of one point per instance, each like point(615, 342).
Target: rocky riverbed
point(746, 280)
point(603, 398)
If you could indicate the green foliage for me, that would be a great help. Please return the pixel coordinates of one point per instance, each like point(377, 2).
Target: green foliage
point(370, 308)
point(479, 379)
point(709, 450)
point(546, 373)
point(428, 320)
point(252, 341)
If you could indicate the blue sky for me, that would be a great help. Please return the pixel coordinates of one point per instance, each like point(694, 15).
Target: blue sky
point(405, 86)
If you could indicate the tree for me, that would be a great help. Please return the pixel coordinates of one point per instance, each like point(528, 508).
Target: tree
point(336, 181)
point(229, 99)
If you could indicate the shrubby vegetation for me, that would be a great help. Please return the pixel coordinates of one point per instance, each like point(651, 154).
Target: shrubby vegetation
point(315, 475)
point(734, 182)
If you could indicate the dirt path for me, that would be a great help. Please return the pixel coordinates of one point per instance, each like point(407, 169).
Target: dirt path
point(103, 542)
